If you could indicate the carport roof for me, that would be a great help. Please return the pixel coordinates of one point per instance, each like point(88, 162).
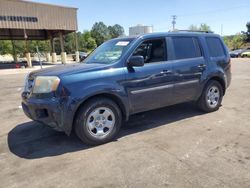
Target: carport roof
point(30, 20)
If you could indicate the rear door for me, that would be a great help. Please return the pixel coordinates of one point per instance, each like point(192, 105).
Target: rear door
point(189, 66)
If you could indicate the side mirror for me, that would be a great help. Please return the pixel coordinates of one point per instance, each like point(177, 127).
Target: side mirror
point(136, 61)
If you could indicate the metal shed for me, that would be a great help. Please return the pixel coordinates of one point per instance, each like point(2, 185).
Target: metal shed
point(25, 20)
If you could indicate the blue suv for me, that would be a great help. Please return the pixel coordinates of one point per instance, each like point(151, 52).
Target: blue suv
point(125, 76)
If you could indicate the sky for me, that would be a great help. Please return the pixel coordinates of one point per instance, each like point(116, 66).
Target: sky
point(224, 17)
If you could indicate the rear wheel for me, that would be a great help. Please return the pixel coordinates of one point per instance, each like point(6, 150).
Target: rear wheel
point(211, 97)
point(98, 121)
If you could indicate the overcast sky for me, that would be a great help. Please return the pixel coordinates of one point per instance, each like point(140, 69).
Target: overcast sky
point(230, 15)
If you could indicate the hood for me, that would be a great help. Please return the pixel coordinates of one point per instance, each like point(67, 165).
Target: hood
point(61, 70)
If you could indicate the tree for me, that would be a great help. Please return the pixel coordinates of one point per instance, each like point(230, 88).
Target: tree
point(69, 43)
point(238, 41)
point(228, 41)
point(193, 28)
point(234, 41)
point(43, 46)
point(20, 47)
point(205, 27)
point(87, 42)
point(116, 31)
point(248, 32)
point(5, 47)
point(100, 33)
point(202, 27)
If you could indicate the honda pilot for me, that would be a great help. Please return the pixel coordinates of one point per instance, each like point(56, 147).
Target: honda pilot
point(125, 76)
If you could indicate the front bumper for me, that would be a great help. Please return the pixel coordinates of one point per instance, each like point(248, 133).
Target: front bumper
point(46, 111)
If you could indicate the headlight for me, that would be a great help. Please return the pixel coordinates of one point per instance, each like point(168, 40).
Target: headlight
point(25, 87)
point(46, 84)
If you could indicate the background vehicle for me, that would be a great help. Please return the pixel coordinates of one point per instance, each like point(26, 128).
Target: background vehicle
point(245, 53)
point(125, 76)
point(236, 53)
point(82, 56)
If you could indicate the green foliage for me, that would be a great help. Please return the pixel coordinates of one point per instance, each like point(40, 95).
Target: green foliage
point(5, 47)
point(43, 46)
point(202, 27)
point(116, 31)
point(205, 27)
point(86, 41)
point(69, 43)
point(247, 39)
point(234, 41)
point(193, 28)
point(227, 41)
point(100, 33)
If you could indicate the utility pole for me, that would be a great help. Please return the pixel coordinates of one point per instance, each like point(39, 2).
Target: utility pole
point(174, 21)
point(221, 29)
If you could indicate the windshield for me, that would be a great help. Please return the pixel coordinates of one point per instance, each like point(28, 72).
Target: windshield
point(109, 52)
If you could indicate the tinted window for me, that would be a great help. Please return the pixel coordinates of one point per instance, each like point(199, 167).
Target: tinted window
point(215, 47)
point(186, 47)
point(152, 50)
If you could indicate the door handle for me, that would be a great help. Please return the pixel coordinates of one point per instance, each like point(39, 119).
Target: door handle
point(166, 72)
point(162, 73)
point(202, 66)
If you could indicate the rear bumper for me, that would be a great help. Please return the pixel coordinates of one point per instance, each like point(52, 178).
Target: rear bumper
point(228, 76)
point(47, 111)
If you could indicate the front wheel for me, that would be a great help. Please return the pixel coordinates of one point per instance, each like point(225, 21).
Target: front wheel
point(211, 97)
point(98, 121)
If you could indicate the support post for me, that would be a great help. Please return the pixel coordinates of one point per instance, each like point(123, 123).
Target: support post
point(29, 62)
point(28, 58)
point(52, 48)
point(48, 57)
point(76, 45)
point(77, 56)
point(63, 54)
point(54, 57)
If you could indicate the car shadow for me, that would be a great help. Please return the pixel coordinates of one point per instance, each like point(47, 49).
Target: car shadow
point(32, 140)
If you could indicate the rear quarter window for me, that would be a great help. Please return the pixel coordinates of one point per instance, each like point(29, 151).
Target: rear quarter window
point(215, 47)
point(186, 47)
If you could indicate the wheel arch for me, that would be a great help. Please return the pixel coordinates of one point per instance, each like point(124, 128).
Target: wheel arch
point(220, 80)
point(112, 97)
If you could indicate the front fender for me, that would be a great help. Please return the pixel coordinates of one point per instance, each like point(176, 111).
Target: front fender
point(81, 95)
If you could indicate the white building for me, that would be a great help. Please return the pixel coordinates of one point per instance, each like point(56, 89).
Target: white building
point(140, 29)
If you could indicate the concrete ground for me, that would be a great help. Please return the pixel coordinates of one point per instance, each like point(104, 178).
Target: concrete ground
point(176, 146)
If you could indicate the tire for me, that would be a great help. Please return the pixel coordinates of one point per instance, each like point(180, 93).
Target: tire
point(211, 97)
point(98, 121)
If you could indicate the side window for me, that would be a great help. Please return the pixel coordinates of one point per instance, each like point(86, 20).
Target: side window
point(215, 47)
point(152, 50)
point(186, 47)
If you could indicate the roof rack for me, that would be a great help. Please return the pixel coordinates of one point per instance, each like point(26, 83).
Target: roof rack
point(199, 31)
